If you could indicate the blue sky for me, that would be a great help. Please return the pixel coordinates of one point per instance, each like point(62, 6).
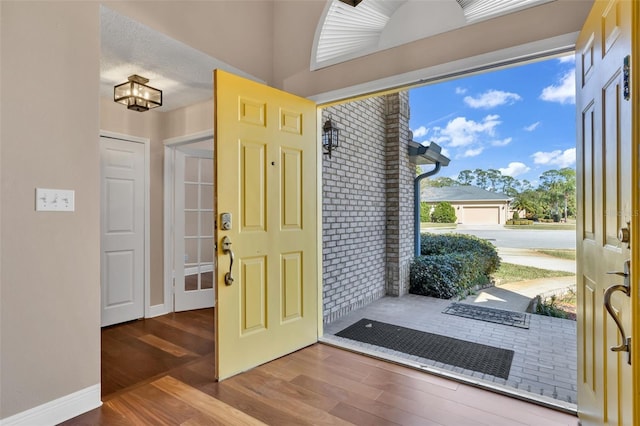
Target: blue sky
point(520, 120)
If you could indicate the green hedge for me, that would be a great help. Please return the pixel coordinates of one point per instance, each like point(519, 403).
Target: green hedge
point(519, 222)
point(452, 264)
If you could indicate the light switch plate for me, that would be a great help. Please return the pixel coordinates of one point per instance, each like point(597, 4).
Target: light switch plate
point(55, 200)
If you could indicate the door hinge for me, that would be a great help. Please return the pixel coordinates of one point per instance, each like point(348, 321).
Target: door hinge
point(626, 75)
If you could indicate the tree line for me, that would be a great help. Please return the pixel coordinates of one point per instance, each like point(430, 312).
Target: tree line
point(553, 198)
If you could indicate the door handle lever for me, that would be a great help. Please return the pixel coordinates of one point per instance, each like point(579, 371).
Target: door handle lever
point(626, 341)
point(226, 249)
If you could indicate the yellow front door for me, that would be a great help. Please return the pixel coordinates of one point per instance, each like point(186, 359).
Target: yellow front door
point(608, 201)
point(266, 202)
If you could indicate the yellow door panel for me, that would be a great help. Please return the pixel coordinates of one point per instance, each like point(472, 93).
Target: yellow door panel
point(266, 174)
point(291, 285)
point(607, 164)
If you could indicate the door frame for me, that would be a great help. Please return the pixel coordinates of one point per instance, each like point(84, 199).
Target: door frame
point(149, 311)
point(491, 61)
point(170, 146)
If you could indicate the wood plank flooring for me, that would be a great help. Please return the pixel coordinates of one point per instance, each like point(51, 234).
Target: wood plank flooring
point(160, 371)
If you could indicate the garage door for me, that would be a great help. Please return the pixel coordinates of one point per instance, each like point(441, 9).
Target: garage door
point(481, 216)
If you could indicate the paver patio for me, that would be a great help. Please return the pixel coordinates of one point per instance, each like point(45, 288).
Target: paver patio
point(544, 363)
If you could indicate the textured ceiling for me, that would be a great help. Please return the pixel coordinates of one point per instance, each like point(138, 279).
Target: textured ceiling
point(182, 73)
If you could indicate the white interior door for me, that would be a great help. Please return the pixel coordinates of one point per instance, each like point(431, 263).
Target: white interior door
point(122, 230)
point(193, 230)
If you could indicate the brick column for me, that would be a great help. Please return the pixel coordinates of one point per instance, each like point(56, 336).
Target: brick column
point(400, 173)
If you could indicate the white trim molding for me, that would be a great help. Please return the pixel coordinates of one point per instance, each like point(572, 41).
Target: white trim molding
point(170, 146)
point(58, 410)
point(157, 310)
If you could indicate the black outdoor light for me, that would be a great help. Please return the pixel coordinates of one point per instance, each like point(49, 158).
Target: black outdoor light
point(330, 137)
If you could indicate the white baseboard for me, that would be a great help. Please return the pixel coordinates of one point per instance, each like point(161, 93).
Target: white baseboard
point(58, 410)
point(157, 310)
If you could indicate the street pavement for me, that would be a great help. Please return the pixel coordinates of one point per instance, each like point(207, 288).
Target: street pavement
point(528, 238)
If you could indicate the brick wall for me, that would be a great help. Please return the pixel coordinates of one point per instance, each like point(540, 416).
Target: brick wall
point(367, 205)
point(400, 173)
point(353, 208)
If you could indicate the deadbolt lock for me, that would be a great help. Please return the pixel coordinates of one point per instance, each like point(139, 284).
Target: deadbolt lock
point(624, 234)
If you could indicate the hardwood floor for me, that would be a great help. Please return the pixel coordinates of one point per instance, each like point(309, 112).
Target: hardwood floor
point(160, 371)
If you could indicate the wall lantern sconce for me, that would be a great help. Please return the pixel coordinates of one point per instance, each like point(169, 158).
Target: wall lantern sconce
point(330, 137)
point(136, 95)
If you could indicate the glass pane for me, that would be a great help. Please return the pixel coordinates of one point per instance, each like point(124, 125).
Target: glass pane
point(190, 196)
point(206, 219)
point(191, 169)
point(206, 280)
point(206, 250)
point(191, 224)
point(206, 170)
point(206, 196)
point(191, 282)
point(191, 251)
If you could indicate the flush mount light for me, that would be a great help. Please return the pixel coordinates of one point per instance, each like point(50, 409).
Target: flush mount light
point(353, 3)
point(136, 95)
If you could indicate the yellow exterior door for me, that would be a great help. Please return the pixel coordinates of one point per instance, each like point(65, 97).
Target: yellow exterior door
point(608, 201)
point(266, 202)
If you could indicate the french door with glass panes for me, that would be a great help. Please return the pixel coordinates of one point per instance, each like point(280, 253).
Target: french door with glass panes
point(193, 231)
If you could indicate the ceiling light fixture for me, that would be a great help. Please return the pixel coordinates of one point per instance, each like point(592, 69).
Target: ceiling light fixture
point(136, 95)
point(353, 3)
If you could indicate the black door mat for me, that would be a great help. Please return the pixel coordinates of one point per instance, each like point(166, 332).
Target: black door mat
point(447, 350)
point(497, 316)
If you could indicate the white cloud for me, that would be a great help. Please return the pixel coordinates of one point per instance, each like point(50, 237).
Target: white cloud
point(564, 91)
point(463, 132)
point(420, 132)
point(558, 158)
point(514, 169)
point(492, 98)
point(503, 142)
point(446, 152)
point(569, 59)
point(460, 90)
point(473, 152)
point(532, 127)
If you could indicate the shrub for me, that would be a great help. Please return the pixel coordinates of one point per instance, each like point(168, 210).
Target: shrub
point(452, 264)
point(549, 307)
point(443, 213)
point(516, 215)
point(425, 212)
point(434, 276)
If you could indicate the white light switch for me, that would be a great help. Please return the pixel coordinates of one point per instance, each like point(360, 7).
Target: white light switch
point(55, 200)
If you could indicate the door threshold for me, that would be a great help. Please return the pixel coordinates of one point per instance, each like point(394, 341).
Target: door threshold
point(543, 401)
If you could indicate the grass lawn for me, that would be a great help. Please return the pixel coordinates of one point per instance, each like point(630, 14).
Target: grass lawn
point(509, 272)
point(428, 225)
point(562, 254)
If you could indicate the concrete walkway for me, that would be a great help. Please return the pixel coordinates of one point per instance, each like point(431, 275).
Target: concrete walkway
point(536, 259)
point(517, 296)
point(545, 355)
